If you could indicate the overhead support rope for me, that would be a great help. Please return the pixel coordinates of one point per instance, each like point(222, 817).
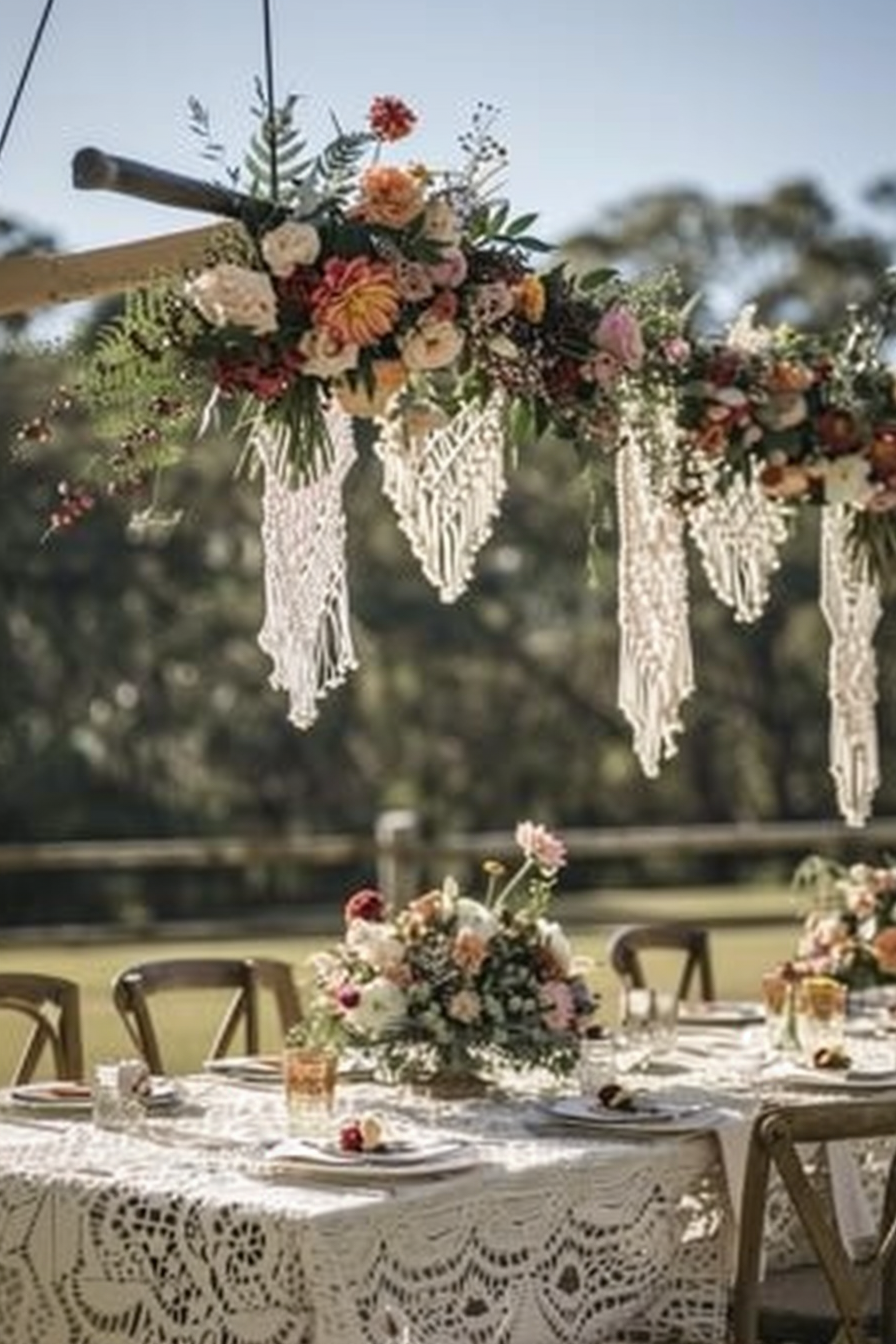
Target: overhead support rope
point(26, 72)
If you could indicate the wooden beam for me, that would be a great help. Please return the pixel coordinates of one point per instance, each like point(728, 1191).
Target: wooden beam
point(39, 280)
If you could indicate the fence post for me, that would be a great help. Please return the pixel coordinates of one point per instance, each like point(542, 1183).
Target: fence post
point(398, 856)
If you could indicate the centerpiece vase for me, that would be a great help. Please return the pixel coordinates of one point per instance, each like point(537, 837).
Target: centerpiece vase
point(454, 1074)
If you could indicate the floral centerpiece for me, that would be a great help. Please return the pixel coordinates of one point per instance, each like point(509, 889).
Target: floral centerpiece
point(849, 933)
point(450, 983)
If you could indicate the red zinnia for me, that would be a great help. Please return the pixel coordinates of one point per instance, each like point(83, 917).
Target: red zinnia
point(390, 118)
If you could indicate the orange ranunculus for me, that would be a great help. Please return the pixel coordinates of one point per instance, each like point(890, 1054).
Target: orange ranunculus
point(786, 376)
point(885, 950)
point(785, 480)
point(529, 298)
point(390, 375)
point(390, 196)
point(357, 301)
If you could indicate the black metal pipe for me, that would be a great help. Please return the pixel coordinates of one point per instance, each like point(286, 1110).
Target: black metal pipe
point(94, 170)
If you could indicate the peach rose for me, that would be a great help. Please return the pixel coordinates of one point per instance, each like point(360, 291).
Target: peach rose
point(431, 345)
point(885, 950)
point(390, 196)
point(325, 356)
point(390, 375)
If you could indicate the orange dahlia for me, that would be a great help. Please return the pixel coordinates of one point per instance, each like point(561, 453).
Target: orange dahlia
point(357, 301)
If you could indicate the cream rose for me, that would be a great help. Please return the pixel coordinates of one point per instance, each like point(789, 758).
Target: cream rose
point(230, 295)
point(440, 222)
point(380, 1009)
point(325, 356)
point(432, 345)
point(290, 245)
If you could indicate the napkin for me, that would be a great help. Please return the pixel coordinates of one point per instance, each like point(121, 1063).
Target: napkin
point(852, 1210)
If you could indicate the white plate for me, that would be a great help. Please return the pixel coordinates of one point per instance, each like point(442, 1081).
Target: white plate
point(251, 1068)
point(400, 1161)
point(63, 1098)
point(838, 1080)
point(650, 1116)
point(719, 1013)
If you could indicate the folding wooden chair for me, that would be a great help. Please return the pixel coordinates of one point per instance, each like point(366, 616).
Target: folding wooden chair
point(240, 1022)
point(51, 1006)
point(625, 949)
point(835, 1297)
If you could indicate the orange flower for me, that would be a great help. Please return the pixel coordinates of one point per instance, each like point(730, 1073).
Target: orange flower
point(788, 377)
point(469, 951)
point(885, 950)
point(389, 376)
point(883, 452)
point(357, 301)
point(390, 196)
point(529, 299)
point(785, 481)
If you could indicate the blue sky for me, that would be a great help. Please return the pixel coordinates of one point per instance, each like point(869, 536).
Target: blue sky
point(599, 99)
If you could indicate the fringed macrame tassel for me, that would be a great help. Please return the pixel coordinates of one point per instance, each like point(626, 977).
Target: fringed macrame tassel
point(445, 485)
point(656, 671)
point(306, 630)
point(850, 603)
point(739, 535)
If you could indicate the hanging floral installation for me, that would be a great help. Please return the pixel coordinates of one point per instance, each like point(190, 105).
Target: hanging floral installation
point(412, 297)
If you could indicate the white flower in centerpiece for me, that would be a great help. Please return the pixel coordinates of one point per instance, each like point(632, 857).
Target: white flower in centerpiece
point(229, 295)
point(380, 1009)
point(556, 945)
point(474, 917)
point(377, 944)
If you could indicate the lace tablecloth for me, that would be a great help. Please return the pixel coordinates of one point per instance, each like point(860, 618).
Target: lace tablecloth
point(175, 1235)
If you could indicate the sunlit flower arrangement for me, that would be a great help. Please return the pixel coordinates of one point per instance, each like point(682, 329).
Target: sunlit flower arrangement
point(399, 291)
point(456, 982)
point(849, 931)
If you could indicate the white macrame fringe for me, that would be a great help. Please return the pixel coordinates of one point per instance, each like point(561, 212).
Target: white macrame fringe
point(739, 535)
point(850, 603)
point(306, 629)
point(656, 670)
point(446, 487)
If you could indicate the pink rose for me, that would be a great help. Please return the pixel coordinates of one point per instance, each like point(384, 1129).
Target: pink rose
point(619, 333)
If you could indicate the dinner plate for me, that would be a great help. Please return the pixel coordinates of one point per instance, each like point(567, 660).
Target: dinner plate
point(838, 1080)
point(69, 1098)
point(397, 1161)
point(249, 1068)
point(719, 1013)
point(651, 1115)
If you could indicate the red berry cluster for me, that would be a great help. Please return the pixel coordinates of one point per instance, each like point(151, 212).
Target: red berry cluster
point(74, 502)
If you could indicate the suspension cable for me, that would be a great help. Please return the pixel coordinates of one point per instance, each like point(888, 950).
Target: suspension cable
point(269, 95)
point(23, 79)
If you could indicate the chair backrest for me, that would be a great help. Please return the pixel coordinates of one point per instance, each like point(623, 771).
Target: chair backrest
point(51, 1006)
point(239, 1026)
point(626, 946)
point(855, 1288)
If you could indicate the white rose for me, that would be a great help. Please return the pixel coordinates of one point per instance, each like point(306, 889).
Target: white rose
point(440, 222)
point(432, 345)
point(476, 918)
point(375, 943)
point(379, 1010)
point(229, 295)
point(325, 357)
point(290, 245)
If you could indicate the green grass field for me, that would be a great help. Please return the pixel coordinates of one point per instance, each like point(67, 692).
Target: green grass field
point(740, 954)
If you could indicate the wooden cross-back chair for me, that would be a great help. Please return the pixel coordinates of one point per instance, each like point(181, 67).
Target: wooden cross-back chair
point(51, 1007)
point(834, 1298)
point(626, 946)
point(240, 1025)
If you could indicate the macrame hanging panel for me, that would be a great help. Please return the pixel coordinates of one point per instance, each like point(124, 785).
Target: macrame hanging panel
point(306, 630)
point(656, 670)
point(851, 606)
point(446, 485)
point(739, 535)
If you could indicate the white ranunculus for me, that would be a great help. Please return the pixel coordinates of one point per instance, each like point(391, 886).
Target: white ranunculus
point(557, 944)
point(290, 245)
point(380, 1009)
point(476, 918)
point(229, 295)
point(846, 480)
point(441, 223)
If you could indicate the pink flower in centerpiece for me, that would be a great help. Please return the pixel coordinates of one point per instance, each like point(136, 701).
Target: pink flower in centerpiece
point(368, 903)
point(541, 845)
point(885, 950)
point(465, 1006)
point(558, 1005)
point(469, 951)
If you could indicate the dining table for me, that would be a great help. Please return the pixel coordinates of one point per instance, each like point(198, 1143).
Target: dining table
point(529, 1215)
